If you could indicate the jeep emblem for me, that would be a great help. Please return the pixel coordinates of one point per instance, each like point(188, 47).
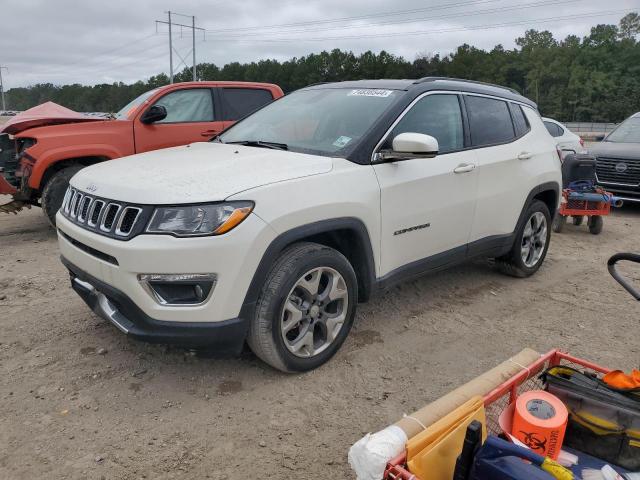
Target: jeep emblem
point(92, 187)
point(621, 167)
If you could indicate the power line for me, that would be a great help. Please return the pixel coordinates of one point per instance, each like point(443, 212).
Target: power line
point(413, 20)
point(431, 32)
point(358, 17)
point(93, 58)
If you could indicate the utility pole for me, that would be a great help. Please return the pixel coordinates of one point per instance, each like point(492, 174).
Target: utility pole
point(193, 28)
point(193, 48)
point(4, 106)
point(170, 51)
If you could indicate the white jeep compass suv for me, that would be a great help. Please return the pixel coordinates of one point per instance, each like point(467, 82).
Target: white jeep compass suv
point(272, 232)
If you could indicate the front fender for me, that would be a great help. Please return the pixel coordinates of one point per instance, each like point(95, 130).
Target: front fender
point(304, 232)
point(44, 161)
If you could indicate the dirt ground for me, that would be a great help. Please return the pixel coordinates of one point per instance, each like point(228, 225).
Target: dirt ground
point(80, 400)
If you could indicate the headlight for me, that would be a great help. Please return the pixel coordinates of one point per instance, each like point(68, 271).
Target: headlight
point(198, 220)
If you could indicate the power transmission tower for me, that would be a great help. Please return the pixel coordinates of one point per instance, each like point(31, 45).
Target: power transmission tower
point(193, 28)
point(4, 106)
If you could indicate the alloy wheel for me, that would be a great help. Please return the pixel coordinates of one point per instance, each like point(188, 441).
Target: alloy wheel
point(314, 312)
point(534, 239)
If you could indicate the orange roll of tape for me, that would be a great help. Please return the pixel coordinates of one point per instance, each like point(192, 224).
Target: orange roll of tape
point(540, 421)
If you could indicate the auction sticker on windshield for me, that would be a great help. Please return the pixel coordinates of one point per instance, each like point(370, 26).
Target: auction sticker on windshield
point(342, 141)
point(370, 92)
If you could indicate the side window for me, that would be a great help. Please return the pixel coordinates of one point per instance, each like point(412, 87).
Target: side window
point(190, 105)
point(519, 120)
point(553, 129)
point(489, 121)
point(238, 102)
point(435, 115)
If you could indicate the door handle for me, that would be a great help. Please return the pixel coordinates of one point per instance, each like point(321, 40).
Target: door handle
point(208, 133)
point(464, 168)
point(524, 156)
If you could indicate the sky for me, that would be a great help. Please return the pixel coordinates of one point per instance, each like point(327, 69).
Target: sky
point(91, 41)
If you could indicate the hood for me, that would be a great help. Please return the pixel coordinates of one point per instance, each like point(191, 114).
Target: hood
point(616, 150)
point(48, 113)
point(200, 172)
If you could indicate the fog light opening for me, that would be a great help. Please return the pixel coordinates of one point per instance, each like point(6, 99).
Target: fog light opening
point(179, 289)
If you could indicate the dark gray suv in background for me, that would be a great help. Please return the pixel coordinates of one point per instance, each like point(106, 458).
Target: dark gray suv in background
point(618, 160)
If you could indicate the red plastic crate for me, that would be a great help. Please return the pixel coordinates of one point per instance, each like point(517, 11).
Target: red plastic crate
point(501, 397)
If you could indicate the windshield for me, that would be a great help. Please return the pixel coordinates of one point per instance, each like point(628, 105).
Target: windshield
point(627, 132)
point(327, 121)
point(129, 108)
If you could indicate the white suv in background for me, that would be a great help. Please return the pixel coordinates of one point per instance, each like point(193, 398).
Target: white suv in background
point(272, 232)
point(567, 141)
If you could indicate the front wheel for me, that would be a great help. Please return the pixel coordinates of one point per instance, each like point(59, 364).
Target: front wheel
point(305, 309)
point(54, 190)
point(531, 244)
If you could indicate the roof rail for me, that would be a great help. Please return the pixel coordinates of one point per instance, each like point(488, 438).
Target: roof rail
point(433, 79)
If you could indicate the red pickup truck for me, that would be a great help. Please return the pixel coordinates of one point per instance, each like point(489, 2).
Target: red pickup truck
point(39, 154)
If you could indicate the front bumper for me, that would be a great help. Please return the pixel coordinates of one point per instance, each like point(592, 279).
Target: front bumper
point(623, 192)
point(225, 336)
point(232, 257)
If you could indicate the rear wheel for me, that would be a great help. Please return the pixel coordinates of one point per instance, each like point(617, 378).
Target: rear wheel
point(531, 243)
point(559, 223)
point(595, 224)
point(305, 309)
point(577, 220)
point(54, 190)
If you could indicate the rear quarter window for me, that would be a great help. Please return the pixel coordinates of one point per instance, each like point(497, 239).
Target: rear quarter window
point(554, 129)
point(489, 121)
point(239, 102)
point(520, 121)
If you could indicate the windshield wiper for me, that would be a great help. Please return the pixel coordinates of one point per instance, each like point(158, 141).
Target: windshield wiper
point(262, 144)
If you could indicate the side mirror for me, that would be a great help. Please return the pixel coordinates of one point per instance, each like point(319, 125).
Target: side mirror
point(155, 113)
point(407, 146)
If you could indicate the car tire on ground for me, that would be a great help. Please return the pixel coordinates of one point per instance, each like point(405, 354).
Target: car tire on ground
point(305, 309)
point(595, 224)
point(54, 190)
point(531, 244)
point(558, 223)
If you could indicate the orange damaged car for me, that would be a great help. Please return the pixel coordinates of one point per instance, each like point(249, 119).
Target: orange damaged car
point(42, 148)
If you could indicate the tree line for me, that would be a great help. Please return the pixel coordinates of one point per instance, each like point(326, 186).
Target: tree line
point(594, 78)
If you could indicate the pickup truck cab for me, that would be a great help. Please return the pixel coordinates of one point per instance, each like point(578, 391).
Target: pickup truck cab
point(37, 163)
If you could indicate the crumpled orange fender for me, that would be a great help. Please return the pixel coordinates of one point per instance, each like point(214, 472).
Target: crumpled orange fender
point(44, 161)
point(6, 188)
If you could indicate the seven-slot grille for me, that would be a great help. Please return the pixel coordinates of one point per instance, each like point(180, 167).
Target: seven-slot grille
point(622, 171)
point(114, 219)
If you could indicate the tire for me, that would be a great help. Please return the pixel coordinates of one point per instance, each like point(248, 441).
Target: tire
point(285, 295)
point(559, 223)
point(577, 220)
point(595, 224)
point(54, 190)
point(531, 244)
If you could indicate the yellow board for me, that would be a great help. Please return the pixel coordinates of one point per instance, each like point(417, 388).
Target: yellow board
point(432, 453)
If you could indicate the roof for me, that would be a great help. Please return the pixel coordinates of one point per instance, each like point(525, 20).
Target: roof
point(433, 83)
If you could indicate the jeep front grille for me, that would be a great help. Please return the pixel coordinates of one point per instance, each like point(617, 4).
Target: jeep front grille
point(118, 220)
point(109, 218)
point(96, 210)
point(127, 220)
point(620, 171)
